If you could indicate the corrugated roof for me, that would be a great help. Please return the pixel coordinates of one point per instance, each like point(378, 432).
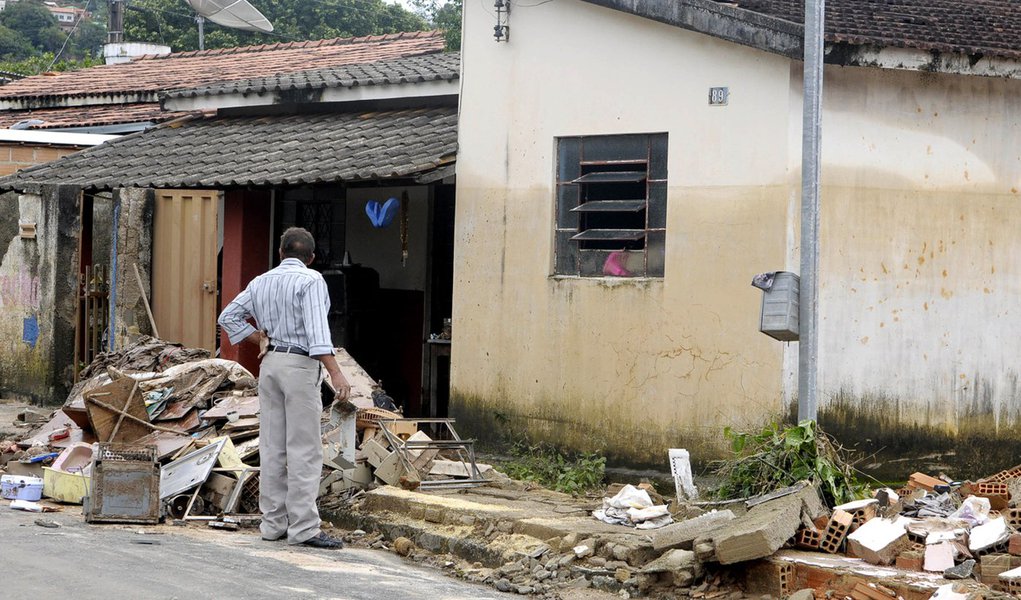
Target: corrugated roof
point(218, 152)
point(413, 69)
point(153, 74)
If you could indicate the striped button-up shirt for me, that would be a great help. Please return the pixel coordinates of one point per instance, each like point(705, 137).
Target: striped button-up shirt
point(289, 303)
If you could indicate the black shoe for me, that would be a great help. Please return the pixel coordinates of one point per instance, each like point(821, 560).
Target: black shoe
point(323, 541)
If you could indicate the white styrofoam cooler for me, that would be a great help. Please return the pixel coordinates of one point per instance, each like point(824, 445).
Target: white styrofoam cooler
point(20, 487)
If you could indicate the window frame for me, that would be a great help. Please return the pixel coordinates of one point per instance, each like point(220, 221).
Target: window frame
point(591, 165)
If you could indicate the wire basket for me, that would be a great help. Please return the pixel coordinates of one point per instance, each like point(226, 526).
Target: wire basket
point(126, 453)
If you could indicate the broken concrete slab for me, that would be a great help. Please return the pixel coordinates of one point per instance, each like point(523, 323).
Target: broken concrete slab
point(765, 528)
point(683, 533)
point(988, 536)
point(879, 541)
point(456, 468)
point(672, 560)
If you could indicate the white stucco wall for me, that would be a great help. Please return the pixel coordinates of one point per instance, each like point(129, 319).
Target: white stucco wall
point(617, 365)
point(920, 257)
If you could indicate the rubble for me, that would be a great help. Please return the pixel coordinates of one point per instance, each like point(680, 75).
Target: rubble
point(766, 527)
point(199, 417)
point(181, 405)
point(684, 533)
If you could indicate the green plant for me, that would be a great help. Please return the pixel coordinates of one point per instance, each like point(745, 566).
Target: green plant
point(777, 457)
point(548, 466)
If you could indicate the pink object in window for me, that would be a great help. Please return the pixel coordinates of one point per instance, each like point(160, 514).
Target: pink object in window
point(614, 265)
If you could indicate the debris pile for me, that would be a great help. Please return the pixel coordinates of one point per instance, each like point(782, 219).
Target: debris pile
point(184, 428)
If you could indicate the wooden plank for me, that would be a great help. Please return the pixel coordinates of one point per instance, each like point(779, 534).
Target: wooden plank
point(104, 419)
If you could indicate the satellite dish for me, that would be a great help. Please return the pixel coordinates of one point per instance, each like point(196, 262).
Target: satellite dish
point(236, 14)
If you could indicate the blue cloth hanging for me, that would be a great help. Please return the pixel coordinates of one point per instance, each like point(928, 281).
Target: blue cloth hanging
point(381, 215)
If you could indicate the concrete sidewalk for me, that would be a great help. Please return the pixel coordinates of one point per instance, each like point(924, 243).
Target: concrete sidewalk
point(531, 542)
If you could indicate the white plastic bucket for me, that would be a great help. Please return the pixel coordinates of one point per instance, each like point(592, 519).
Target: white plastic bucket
point(20, 487)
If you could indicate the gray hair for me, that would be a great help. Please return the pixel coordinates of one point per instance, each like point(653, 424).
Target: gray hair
point(298, 243)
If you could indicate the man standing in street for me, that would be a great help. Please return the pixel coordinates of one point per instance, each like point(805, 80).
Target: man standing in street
point(289, 304)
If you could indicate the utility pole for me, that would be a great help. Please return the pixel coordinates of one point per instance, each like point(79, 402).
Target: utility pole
point(115, 29)
point(811, 144)
point(202, 31)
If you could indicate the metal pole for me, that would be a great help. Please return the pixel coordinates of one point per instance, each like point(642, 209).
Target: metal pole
point(811, 138)
point(202, 31)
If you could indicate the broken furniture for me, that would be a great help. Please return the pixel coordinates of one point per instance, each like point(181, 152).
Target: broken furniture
point(414, 456)
point(125, 485)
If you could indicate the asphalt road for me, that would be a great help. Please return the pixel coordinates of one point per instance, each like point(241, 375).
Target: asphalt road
point(113, 562)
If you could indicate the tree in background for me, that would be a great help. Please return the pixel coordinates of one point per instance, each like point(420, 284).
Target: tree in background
point(444, 15)
point(172, 22)
point(30, 38)
point(32, 20)
point(14, 45)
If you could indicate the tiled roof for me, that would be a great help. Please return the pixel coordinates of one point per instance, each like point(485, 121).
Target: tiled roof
point(89, 116)
point(413, 69)
point(218, 152)
point(985, 27)
point(153, 74)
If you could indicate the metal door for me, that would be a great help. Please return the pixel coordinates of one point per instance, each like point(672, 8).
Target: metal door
point(184, 270)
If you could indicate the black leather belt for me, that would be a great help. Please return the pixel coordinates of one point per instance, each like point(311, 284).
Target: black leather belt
point(288, 349)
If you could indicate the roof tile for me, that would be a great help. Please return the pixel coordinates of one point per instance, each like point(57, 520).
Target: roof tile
point(264, 150)
point(153, 74)
point(985, 27)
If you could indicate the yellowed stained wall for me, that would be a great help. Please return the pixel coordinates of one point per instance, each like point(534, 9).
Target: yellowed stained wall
point(920, 268)
point(628, 367)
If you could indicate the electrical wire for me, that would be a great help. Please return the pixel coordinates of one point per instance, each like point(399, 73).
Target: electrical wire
point(69, 34)
point(518, 5)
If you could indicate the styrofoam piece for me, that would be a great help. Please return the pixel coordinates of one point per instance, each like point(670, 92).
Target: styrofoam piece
point(26, 505)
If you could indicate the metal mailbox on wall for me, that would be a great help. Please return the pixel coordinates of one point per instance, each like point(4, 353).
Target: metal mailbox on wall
point(780, 299)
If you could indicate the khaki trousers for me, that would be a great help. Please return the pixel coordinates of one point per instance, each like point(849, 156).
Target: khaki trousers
point(290, 446)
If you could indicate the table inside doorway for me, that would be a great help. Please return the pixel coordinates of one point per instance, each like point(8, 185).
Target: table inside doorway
point(437, 348)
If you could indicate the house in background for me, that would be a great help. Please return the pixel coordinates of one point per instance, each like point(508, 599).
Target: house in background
point(67, 16)
point(625, 168)
point(200, 201)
